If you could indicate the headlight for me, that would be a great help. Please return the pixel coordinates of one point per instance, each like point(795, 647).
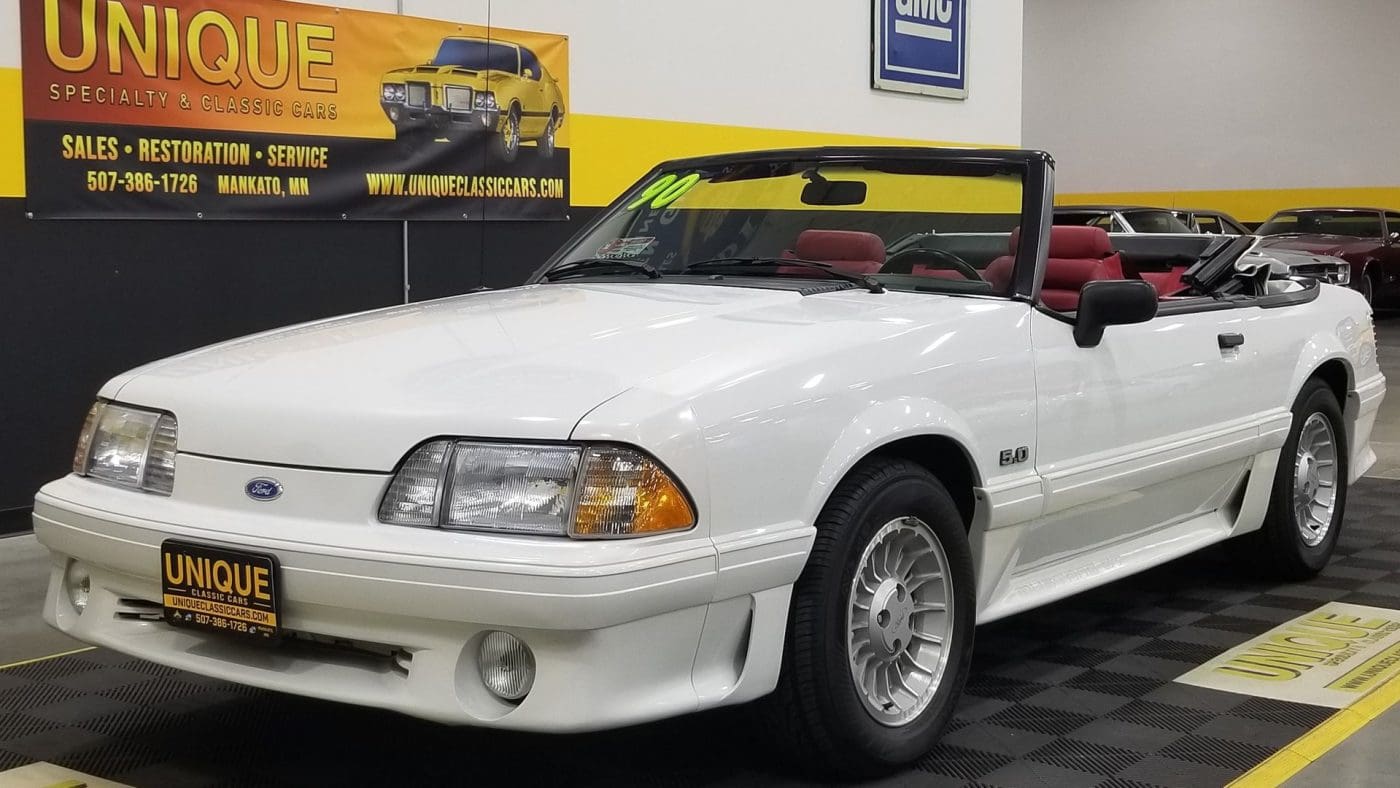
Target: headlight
point(126, 446)
point(484, 99)
point(1344, 274)
point(583, 492)
point(393, 92)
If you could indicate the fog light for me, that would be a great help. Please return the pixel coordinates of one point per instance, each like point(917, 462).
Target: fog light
point(79, 585)
point(507, 666)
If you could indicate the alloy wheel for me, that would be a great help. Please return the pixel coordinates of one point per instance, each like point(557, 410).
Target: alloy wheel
point(899, 622)
point(1315, 479)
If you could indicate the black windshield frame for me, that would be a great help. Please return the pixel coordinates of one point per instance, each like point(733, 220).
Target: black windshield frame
point(1035, 169)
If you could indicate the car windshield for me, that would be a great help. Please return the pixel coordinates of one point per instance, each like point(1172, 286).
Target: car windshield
point(1360, 224)
point(908, 225)
point(476, 55)
point(1155, 222)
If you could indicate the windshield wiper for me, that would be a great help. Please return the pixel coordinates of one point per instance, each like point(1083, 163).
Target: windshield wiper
point(746, 266)
point(601, 265)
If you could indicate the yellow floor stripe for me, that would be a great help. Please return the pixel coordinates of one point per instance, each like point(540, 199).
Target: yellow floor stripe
point(1317, 742)
point(50, 656)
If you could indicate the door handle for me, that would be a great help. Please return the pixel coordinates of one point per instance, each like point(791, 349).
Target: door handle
point(1230, 341)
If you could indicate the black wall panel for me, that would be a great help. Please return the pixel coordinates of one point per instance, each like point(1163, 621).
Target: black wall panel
point(447, 258)
point(81, 301)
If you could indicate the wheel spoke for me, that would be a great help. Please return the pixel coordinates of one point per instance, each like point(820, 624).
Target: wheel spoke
point(909, 655)
point(899, 679)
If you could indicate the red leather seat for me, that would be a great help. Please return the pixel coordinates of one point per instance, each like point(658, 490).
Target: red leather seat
point(849, 250)
point(1166, 282)
point(998, 273)
point(1078, 255)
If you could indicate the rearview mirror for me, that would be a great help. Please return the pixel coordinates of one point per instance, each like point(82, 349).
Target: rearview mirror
point(824, 192)
point(1116, 302)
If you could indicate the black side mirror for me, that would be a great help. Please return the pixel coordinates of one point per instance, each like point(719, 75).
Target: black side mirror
point(1115, 302)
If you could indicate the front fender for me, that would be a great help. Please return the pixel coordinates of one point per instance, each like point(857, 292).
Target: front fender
point(880, 425)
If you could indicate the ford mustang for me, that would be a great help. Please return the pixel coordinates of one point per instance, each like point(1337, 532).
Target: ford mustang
point(780, 426)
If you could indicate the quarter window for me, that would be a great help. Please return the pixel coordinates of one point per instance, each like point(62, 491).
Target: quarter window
point(530, 63)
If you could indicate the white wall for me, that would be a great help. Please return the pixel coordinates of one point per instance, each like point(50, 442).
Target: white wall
point(9, 33)
point(1148, 95)
point(783, 64)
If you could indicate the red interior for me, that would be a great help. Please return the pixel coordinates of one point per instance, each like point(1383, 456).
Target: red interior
point(1166, 282)
point(848, 250)
point(1078, 255)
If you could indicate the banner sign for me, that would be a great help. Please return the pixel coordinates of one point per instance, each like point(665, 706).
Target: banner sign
point(271, 109)
point(920, 46)
point(1332, 657)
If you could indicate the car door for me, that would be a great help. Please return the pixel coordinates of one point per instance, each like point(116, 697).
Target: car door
point(1154, 426)
point(1389, 256)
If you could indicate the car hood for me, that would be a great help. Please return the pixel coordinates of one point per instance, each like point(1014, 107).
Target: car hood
point(358, 392)
point(1335, 245)
point(429, 68)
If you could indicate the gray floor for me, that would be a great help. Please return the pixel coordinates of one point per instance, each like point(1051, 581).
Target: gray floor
point(24, 566)
point(1385, 438)
point(1370, 757)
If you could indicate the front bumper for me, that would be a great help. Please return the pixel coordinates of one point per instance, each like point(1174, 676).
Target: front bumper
point(392, 617)
point(401, 114)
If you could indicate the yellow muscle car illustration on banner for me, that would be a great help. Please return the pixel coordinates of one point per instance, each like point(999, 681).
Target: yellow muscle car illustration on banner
point(478, 85)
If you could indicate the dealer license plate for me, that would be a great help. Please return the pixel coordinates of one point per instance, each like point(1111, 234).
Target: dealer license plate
point(219, 590)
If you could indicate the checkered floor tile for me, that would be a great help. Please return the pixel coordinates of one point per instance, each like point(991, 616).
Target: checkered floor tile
point(1076, 694)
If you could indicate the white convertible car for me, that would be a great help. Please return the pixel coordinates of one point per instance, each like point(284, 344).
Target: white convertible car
point(723, 446)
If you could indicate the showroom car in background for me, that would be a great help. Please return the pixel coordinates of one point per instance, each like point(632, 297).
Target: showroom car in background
point(1122, 218)
point(1322, 267)
point(1210, 222)
point(724, 445)
point(1367, 238)
point(475, 85)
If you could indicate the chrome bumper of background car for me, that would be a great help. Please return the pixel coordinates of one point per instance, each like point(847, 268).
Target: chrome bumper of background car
point(1332, 274)
point(400, 113)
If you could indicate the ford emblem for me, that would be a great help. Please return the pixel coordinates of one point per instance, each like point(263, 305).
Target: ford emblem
point(263, 489)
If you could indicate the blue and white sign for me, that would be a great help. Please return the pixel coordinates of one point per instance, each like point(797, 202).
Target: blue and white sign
point(921, 47)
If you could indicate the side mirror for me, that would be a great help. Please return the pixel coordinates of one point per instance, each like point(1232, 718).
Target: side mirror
point(529, 73)
point(1395, 237)
point(1117, 302)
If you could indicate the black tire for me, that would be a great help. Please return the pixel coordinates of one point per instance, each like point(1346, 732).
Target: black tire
point(820, 718)
point(545, 144)
point(1279, 548)
point(1368, 288)
point(507, 138)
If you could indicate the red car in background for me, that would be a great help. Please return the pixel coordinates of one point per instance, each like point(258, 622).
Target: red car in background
point(1367, 238)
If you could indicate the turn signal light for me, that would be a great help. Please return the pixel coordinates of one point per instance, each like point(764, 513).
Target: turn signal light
point(625, 493)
